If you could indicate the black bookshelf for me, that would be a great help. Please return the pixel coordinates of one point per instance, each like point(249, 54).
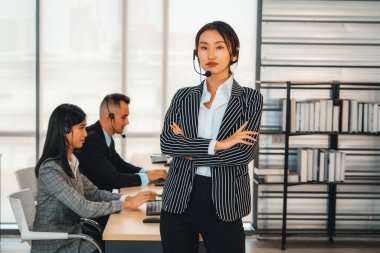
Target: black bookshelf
point(330, 231)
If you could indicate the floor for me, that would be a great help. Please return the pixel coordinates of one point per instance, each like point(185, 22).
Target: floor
point(10, 244)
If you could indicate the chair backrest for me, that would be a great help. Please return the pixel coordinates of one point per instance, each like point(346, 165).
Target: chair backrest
point(26, 179)
point(24, 209)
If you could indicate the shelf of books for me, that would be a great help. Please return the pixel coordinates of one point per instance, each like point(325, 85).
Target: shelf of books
point(327, 168)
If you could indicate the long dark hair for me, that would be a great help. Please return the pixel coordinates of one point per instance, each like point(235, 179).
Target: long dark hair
point(61, 121)
point(227, 32)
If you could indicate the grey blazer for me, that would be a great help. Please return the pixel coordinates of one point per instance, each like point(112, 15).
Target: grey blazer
point(62, 201)
point(229, 168)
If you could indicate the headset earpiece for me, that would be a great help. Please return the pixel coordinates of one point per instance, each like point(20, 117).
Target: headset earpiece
point(110, 114)
point(194, 54)
point(66, 129)
point(235, 53)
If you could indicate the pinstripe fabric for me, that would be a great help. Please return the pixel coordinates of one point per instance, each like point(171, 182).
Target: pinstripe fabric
point(229, 168)
point(61, 201)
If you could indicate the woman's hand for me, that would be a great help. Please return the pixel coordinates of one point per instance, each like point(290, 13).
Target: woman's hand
point(176, 129)
point(239, 136)
point(133, 202)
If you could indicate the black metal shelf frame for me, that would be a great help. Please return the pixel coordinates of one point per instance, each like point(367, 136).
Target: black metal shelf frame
point(331, 230)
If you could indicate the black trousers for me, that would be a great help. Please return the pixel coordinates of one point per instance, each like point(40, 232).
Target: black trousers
point(180, 232)
point(102, 220)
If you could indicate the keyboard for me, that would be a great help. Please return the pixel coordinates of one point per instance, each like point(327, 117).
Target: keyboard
point(153, 208)
point(158, 158)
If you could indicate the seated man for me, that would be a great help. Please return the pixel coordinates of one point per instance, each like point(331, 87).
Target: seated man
point(98, 158)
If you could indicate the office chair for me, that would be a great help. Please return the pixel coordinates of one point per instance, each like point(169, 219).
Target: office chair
point(26, 179)
point(24, 210)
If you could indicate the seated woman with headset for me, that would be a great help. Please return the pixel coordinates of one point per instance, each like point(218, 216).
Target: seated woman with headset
point(64, 195)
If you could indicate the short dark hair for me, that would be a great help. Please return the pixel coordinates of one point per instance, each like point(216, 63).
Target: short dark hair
point(228, 34)
point(115, 99)
point(61, 121)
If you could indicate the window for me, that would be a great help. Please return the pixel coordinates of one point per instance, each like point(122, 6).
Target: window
point(17, 95)
point(91, 48)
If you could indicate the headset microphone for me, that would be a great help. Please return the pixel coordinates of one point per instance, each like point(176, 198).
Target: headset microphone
point(112, 118)
point(207, 74)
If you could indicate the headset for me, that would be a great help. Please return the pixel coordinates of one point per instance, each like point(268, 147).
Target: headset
point(66, 126)
point(112, 116)
point(207, 74)
point(235, 52)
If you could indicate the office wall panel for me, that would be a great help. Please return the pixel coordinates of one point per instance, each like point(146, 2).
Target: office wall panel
point(368, 96)
point(317, 141)
point(307, 203)
point(365, 225)
point(320, 55)
point(310, 32)
point(362, 167)
point(296, 206)
point(358, 141)
point(273, 97)
point(311, 212)
point(358, 207)
point(319, 74)
point(321, 10)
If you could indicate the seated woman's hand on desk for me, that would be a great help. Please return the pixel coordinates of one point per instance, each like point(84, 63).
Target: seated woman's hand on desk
point(154, 175)
point(137, 200)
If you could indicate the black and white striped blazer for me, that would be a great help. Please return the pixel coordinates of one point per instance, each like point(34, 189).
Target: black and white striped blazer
point(229, 168)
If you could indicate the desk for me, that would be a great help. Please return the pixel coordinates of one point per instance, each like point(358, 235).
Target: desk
point(125, 231)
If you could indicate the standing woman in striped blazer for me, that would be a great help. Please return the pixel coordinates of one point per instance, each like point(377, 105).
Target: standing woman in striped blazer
point(210, 132)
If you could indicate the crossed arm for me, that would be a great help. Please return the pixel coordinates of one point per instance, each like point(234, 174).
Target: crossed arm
point(236, 149)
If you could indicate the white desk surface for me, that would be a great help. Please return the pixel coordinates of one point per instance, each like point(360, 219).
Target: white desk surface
point(128, 225)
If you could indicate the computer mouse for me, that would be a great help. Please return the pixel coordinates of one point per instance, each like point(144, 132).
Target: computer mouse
point(159, 182)
point(151, 220)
